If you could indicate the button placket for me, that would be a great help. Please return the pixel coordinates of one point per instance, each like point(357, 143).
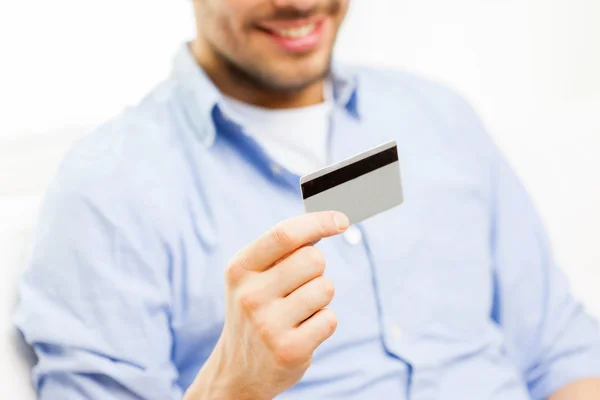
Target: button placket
point(353, 236)
point(396, 332)
point(275, 168)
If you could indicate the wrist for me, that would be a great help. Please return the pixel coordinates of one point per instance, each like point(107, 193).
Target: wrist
point(205, 388)
point(215, 382)
point(210, 384)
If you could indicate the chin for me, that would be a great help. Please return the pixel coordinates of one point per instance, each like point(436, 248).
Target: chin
point(293, 83)
point(297, 77)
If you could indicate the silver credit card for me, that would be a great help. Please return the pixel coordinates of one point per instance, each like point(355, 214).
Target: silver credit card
point(360, 186)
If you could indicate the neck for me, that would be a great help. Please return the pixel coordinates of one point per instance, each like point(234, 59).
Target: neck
point(243, 88)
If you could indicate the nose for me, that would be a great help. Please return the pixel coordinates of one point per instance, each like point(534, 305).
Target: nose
point(303, 5)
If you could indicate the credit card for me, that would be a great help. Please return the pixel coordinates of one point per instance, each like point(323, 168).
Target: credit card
point(360, 186)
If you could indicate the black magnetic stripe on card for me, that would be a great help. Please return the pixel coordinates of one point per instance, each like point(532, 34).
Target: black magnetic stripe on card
point(349, 172)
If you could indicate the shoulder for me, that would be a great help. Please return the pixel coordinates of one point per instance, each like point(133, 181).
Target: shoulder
point(406, 87)
point(127, 162)
point(384, 90)
point(136, 132)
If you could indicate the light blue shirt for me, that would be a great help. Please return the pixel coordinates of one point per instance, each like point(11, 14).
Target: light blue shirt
point(453, 295)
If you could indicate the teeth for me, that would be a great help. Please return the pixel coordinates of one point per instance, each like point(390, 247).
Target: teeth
point(296, 33)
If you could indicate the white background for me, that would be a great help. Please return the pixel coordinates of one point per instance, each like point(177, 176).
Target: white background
point(530, 67)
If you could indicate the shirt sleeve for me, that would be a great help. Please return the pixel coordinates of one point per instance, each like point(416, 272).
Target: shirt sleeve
point(551, 336)
point(94, 304)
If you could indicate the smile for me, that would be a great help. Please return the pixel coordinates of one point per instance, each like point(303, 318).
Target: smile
point(296, 36)
point(296, 32)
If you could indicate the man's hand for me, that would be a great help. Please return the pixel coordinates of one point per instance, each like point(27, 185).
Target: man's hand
point(275, 316)
point(584, 389)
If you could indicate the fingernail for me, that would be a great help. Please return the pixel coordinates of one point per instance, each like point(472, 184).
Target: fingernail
point(341, 221)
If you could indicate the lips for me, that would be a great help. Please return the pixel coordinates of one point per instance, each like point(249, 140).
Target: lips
point(295, 36)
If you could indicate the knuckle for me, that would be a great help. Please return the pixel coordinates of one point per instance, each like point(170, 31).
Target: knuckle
point(323, 223)
point(265, 329)
point(280, 232)
point(249, 301)
point(237, 267)
point(316, 258)
point(330, 320)
point(323, 228)
point(327, 288)
point(286, 352)
point(233, 273)
point(318, 225)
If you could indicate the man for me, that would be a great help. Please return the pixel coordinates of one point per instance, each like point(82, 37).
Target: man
point(453, 295)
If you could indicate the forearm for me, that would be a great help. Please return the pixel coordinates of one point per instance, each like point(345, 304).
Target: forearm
point(75, 386)
point(584, 389)
point(207, 387)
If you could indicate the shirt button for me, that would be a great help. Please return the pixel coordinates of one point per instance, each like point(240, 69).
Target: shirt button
point(353, 235)
point(275, 168)
point(396, 332)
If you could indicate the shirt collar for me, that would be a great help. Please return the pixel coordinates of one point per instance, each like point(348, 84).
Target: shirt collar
point(199, 95)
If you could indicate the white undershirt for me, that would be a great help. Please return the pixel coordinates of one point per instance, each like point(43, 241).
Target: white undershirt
point(295, 138)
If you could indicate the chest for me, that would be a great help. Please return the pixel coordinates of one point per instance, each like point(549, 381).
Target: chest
point(414, 281)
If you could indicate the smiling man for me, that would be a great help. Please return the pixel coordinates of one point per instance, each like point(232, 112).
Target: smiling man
point(172, 258)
